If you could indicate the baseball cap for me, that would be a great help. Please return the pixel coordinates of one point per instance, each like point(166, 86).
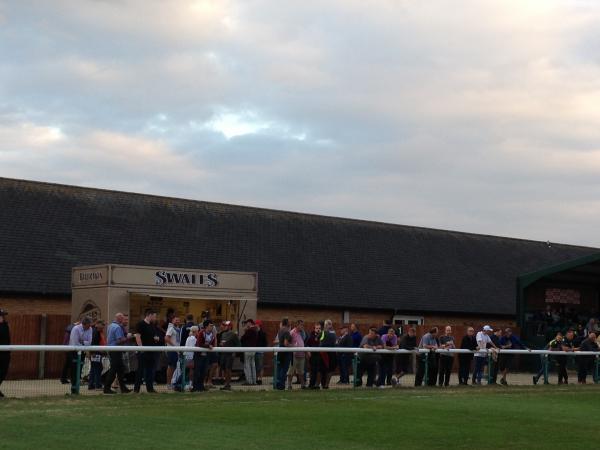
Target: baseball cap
point(487, 328)
point(258, 322)
point(227, 323)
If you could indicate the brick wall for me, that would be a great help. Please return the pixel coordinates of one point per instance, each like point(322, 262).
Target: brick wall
point(35, 305)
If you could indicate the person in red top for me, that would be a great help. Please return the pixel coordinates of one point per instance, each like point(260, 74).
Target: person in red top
point(207, 338)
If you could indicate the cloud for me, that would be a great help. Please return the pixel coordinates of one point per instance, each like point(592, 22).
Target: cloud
point(482, 117)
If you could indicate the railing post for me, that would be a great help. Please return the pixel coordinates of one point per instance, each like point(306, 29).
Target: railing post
point(275, 370)
point(546, 369)
point(426, 377)
point(597, 369)
point(355, 369)
point(75, 389)
point(490, 368)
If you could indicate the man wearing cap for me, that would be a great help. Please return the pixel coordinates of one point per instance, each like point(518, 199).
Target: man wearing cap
point(250, 339)
point(81, 335)
point(227, 338)
point(483, 342)
point(4, 340)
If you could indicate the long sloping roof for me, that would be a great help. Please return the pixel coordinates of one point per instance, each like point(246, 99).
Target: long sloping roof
point(302, 259)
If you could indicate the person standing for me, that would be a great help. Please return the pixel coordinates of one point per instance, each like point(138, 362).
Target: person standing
point(259, 359)
point(386, 362)
point(207, 339)
point(172, 339)
point(98, 338)
point(465, 359)
point(495, 337)
point(407, 342)
point(250, 339)
point(227, 338)
point(116, 336)
point(284, 338)
point(446, 359)
point(328, 359)
point(4, 340)
point(585, 363)
point(429, 342)
point(356, 336)
point(368, 361)
point(64, 378)
point(314, 357)
point(299, 359)
point(344, 359)
point(508, 342)
point(80, 335)
point(146, 335)
point(483, 342)
point(189, 356)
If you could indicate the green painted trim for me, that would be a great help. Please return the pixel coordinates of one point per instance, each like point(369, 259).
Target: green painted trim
point(528, 279)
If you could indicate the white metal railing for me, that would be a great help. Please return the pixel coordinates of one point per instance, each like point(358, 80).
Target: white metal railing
point(135, 348)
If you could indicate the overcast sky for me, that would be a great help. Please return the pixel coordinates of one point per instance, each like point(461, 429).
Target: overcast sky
point(479, 116)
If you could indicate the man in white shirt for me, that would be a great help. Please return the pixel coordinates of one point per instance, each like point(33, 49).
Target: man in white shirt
point(481, 357)
point(172, 339)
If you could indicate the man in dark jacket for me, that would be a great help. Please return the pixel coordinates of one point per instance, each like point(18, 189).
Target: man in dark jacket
point(586, 363)
point(314, 340)
point(4, 340)
point(344, 359)
point(464, 359)
point(407, 342)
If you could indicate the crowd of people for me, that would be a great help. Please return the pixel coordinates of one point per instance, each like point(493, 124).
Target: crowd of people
point(197, 370)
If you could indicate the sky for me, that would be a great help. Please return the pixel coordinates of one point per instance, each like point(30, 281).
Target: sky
point(473, 115)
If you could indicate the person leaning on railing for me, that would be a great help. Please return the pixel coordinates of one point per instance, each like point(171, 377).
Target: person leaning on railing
point(368, 362)
point(428, 341)
point(446, 359)
point(465, 359)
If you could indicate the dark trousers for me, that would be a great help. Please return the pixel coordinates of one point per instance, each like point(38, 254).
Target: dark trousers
point(4, 363)
point(345, 360)
point(74, 375)
point(404, 363)
point(117, 370)
point(495, 365)
point(432, 369)
point(386, 369)
point(200, 366)
point(64, 376)
point(145, 371)
point(369, 366)
point(464, 367)
point(446, 363)
point(561, 363)
point(95, 377)
point(283, 360)
point(584, 365)
point(315, 367)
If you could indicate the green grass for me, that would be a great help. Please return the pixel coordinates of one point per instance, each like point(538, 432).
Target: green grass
point(516, 417)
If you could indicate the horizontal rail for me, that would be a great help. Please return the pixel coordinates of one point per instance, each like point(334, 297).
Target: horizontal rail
point(134, 348)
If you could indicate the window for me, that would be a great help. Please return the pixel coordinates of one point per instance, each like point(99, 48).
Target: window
point(408, 320)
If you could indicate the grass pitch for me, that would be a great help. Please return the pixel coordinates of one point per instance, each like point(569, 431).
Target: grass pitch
point(474, 418)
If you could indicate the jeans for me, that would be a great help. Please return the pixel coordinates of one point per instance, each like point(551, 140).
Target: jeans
point(95, 377)
point(345, 359)
point(480, 363)
point(284, 360)
point(250, 367)
point(145, 371)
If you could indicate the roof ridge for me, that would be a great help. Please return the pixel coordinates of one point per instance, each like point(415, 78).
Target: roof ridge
point(281, 211)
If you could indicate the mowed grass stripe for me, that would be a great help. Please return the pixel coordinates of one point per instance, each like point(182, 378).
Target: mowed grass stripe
point(516, 417)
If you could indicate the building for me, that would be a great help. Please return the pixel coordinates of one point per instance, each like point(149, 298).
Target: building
point(306, 266)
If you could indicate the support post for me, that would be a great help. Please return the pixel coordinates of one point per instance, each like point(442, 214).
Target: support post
point(490, 368)
point(182, 362)
point(275, 370)
point(355, 369)
point(426, 377)
point(597, 369)
point(546, 370)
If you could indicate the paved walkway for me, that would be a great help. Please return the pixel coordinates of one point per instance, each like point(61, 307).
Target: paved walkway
point(48, 387)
